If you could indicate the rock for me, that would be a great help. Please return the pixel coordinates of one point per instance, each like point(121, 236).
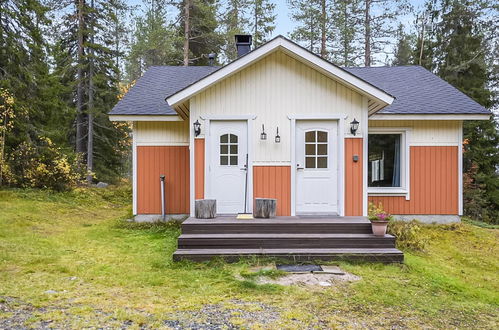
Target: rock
point(50, 292)
point(102, 185)
point(73, 278)
point(324, 284)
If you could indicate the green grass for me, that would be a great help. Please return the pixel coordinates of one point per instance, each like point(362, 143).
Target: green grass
point(107, 271)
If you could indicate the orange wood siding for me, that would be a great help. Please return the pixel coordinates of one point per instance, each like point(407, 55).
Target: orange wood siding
point(173, 162)
point(274, 182)
point(353, 177)
point(199, 163)
point(434, 183)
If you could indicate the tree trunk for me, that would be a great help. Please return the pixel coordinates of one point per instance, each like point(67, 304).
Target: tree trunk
point(367, 35)
point(79, 88)
point(90, 137)
point(187, 30)
point(205, 208)
point(265, 207)
point(323, 29)
point(345, 32)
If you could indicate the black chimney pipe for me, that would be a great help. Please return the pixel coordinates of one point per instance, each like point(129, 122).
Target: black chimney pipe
point(243, 44)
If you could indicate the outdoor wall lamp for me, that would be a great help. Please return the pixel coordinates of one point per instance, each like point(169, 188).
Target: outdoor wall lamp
point(354, 126)
point(197, 128)
point(263, 135)
point(277, 137)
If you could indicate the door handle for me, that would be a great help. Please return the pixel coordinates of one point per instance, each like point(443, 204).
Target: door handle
point(298, 167)
point(245, 168)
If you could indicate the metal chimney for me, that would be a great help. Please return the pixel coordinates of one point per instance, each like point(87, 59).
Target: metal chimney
point(243, 44)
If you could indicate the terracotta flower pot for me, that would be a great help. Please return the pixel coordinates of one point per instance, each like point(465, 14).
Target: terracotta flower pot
point(379, 227)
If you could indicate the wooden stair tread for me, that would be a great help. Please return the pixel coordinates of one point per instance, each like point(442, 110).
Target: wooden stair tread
point(277, 235)
point(232, 251)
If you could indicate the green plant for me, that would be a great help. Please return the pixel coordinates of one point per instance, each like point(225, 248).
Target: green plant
point(377, 213)
point(409, 235)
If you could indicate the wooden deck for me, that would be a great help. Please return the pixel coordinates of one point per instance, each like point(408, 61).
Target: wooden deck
point(301, 238)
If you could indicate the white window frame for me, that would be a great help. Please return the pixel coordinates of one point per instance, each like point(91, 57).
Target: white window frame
point(404, 189)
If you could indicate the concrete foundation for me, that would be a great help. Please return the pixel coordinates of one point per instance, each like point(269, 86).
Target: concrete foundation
point(429, 218)
point(159, 217)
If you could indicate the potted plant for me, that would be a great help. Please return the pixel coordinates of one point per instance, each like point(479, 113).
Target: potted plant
point(379, 219)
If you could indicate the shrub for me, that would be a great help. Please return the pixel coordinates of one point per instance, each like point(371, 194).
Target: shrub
point(409, 235)
point(42, 165)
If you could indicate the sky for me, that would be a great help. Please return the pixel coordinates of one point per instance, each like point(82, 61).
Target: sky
point(284, 24)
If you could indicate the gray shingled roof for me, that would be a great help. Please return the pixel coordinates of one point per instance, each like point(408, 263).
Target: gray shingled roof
point(416, 90)
point(147, 96)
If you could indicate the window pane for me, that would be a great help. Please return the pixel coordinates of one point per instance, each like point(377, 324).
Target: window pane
point(224, 138)
point(224, 160)
point(309, 162)
point(384, 152)
point(233, 138)
point(322, 149)
point(310, 149)
point(321, 162)
point(322, 136)
point(233, 160)
point(233, 149)
point(310, 136)
point(224, 149)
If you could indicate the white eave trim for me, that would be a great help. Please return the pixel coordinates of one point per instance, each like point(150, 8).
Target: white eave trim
point(430, 117)
point(144, 118)
point(293, 50)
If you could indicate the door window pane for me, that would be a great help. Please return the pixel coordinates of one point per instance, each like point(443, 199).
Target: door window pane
point(228, 150)
point(384, 153)
point(321, 162)
point(309, 162)
point(316, 145)
point(310, 149)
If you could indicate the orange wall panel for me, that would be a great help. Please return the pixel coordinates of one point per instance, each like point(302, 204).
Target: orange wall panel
point(173, 162)
point(353, 177)
point(434, 183)
point(274, 182)
point(199, 164)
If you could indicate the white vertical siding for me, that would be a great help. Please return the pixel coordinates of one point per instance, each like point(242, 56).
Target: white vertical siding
point(273, 88)
point(426, 132)
point(162, 132)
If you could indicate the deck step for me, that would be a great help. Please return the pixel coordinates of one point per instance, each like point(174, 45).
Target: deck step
point(385, 255)
point(289, 227)
point(274, 241)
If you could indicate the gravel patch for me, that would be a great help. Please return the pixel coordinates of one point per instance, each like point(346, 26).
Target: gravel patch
point(234, 315)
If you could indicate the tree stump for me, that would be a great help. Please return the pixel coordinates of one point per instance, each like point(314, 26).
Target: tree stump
point(205, 208)
point(265, 208)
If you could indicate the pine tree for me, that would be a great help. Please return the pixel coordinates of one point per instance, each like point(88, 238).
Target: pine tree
point(234, 21)
point(262, 22)
point(404, 49)
point(154, 41)
point(346, 27)
point(308, 15)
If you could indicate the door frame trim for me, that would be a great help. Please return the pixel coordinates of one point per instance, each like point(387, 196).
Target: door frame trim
point(208, 139)
point(340, 118)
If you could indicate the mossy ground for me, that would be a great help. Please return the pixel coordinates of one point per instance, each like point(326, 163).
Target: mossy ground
point(106, 271)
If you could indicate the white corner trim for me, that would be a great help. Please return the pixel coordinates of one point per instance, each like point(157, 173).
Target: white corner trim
point(365, 135)
point(144, 118)
point(460, 205)
point(430, 117)
point(134, 170)
point(292, 49)
point(293, 166)
point(405, 179)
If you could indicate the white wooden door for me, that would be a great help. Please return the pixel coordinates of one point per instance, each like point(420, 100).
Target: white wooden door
point(317, 167)
point(228, 147)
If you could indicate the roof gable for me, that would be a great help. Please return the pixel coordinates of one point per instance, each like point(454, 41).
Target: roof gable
point(378, 97)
